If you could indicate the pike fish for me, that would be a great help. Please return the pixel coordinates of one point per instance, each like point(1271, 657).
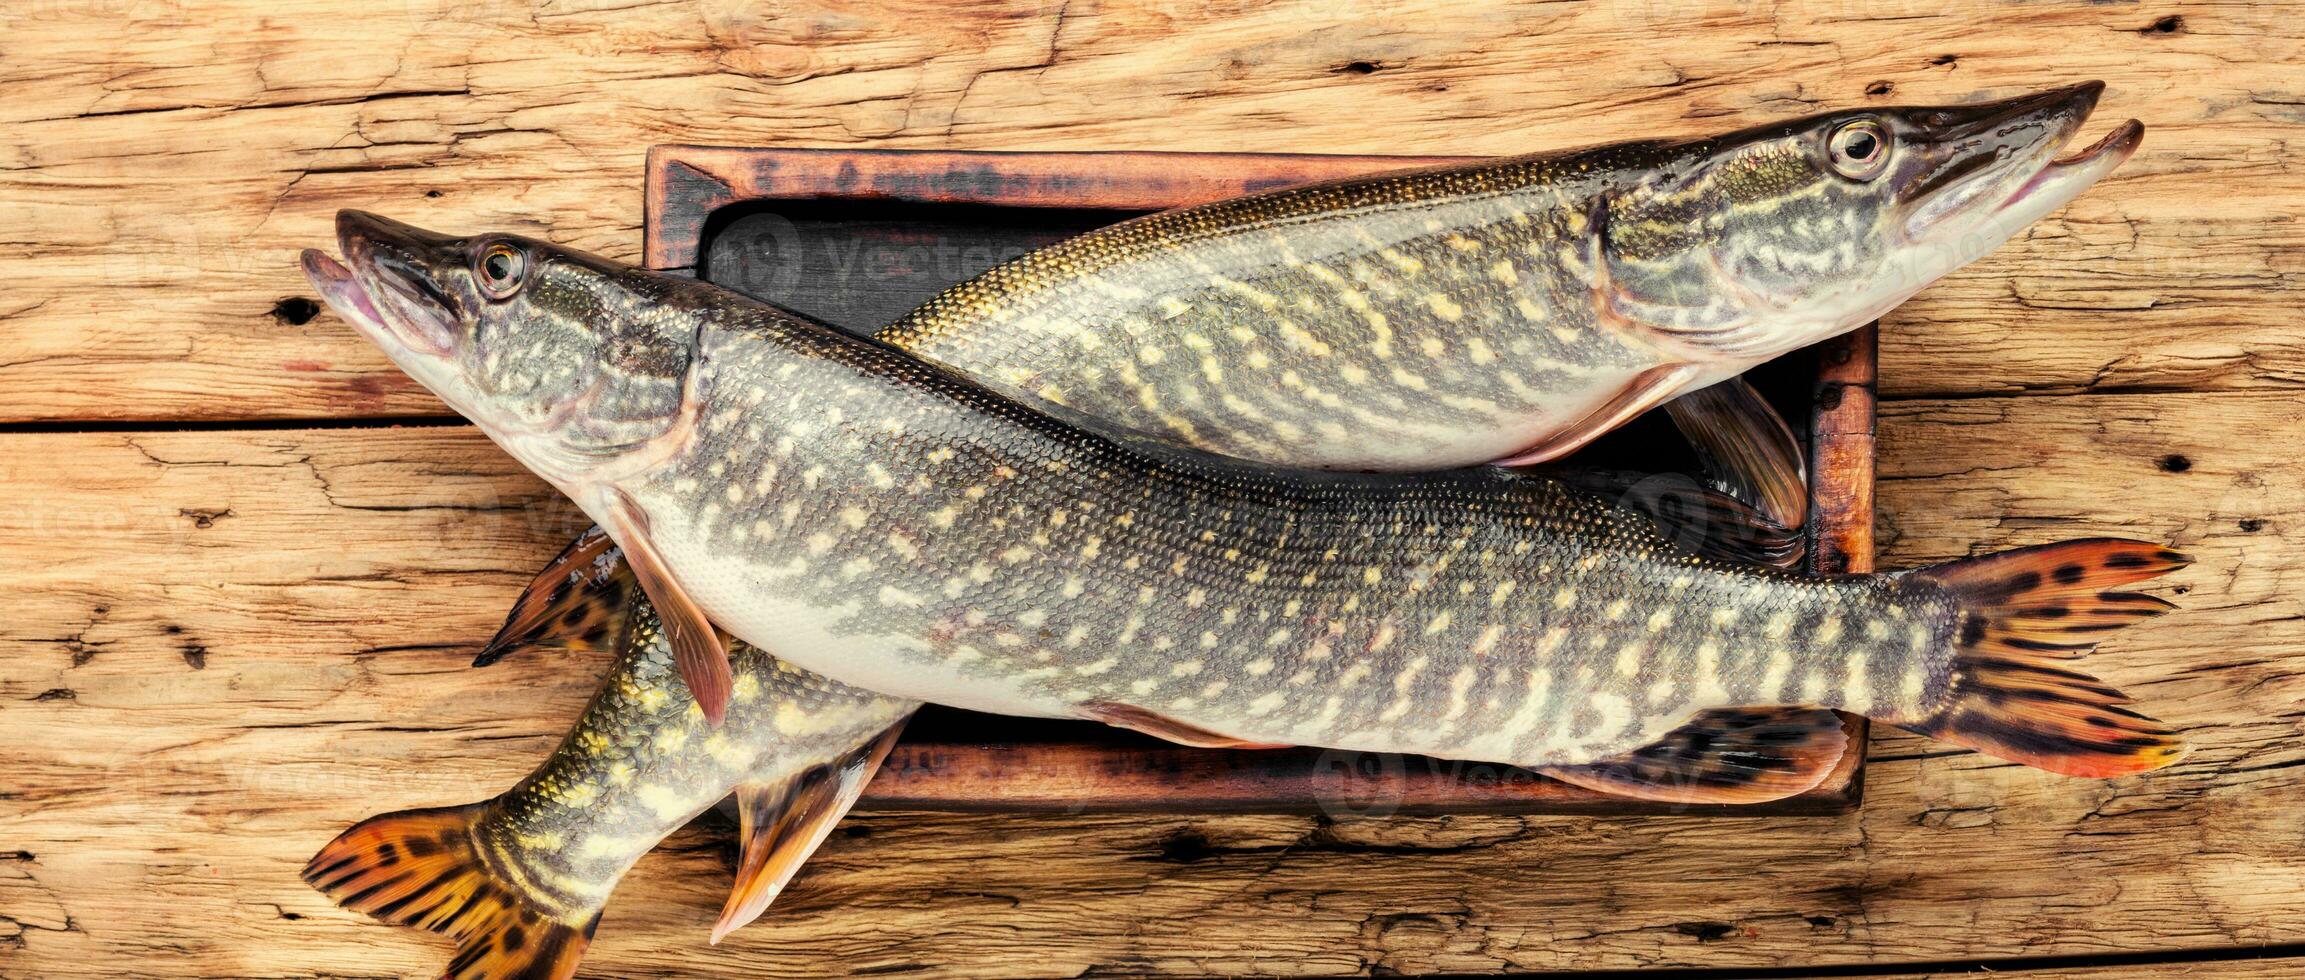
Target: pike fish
point(1517, 309)
point(519, 881)
point(999, 328)
point(882, 520)
point(1508, 311)
point(1513, 311)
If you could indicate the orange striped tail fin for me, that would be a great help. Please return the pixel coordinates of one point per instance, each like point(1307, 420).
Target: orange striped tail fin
point(419, 868)
point(2021, 613)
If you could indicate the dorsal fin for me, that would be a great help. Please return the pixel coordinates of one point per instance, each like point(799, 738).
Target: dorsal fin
point(1725, 755)
point(576, 603)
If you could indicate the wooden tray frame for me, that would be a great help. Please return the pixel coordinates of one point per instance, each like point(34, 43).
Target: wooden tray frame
point(1109, 770)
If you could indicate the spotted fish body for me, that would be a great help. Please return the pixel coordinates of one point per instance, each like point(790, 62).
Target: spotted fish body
point(893, 525)
point(1408, 322)
point(1507, 310)
point(887, 523)
point(881, 520)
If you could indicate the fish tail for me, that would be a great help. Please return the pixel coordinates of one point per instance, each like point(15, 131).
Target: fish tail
point(420, 868)
point(2019, 613)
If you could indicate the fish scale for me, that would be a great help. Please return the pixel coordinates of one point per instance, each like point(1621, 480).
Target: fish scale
point(642, 761)
point(894, 525)
point(1506, 310)
point(1448, 304)
point(520, 880)
point(1439, 314)
point(914, 534)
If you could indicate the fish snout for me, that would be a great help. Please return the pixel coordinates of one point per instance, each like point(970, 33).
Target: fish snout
point(400, 270)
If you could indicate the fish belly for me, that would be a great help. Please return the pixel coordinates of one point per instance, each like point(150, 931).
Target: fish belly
point(747, 600)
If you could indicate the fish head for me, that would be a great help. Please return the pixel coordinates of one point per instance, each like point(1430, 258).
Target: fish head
point(570, 361)
point(1776, 237)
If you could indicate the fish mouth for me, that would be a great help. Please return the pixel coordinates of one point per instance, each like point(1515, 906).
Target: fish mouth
point(381, 287)
point(2066, 177)
point(2005, 155)
point(343, 294)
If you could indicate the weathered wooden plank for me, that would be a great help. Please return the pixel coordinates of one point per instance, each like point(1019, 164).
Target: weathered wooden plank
point(225, 646)
point(2269, 968)
point(161, 162)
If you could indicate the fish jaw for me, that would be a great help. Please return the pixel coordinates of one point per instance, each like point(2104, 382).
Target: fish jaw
point(2066, 177)
point(1948, 244)
point(344, 295)
point(417, 337)
point(1998, 172)
point(388, 274)
point(383, 293)
point(551, 360)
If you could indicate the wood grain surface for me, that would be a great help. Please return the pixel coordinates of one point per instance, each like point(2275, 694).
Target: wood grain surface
point(224, 644)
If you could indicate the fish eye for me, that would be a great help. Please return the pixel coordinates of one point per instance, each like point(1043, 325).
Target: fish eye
point(499, 269)
point(1859, 150)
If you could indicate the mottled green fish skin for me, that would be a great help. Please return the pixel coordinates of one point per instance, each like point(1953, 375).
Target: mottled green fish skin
point(900, 529)
point(889, 523)
point(1411, 322)
point(642, 762)
point(893, 525)
point(1451, 317)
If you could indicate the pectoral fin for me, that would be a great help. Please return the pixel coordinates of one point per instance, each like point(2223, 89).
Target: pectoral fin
point(783, 822)
point(1161, 726)
point(1646, 391)
point(696, 646)
point(576, 603)
point(1727, 755)
point(1747, 450)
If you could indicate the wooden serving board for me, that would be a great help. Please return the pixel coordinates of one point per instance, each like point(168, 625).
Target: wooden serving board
point(856, 238)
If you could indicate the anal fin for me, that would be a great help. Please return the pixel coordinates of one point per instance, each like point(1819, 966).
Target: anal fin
point(696, 645)
point(1646, 391)
point(783, 822)
point(1161, 726)
point(1725, 755)
point(576, 603)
